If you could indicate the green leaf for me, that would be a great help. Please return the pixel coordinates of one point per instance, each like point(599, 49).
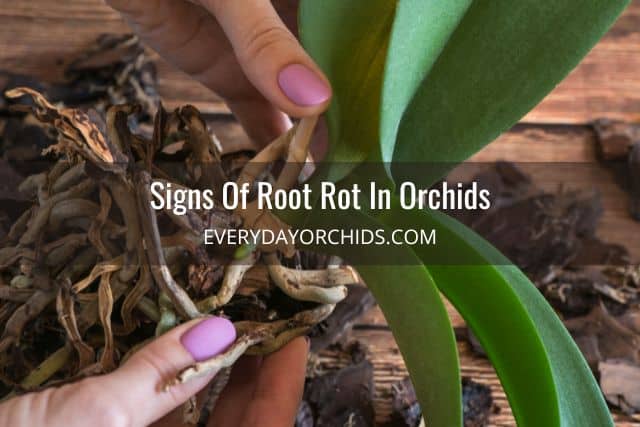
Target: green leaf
point(416, 315)
point(501, 60)
point(544, 375)
point(420, 32)
point(418, 319)
point(348, 40)
point(479, 68)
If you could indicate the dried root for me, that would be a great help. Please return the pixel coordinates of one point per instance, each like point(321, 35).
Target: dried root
point(256, 338)
point(89, 254)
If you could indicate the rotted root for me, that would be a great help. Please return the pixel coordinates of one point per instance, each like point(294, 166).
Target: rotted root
point(116, 257)
point(300, 324)
point(221, 361)
point(256, 338)
point(276, 343)
point(157, 262)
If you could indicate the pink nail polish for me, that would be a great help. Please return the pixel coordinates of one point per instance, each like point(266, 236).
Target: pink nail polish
point(303, 86)
point(208, 338)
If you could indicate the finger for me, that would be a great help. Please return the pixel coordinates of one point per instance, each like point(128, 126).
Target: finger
point(140, 381)
point(134, 394)
point(186, 35)
point(279, 387)
point(190, 38)
point(271, 57)
point(320, 141)
point(229, 409)
point(176, 418)
point(261, 120)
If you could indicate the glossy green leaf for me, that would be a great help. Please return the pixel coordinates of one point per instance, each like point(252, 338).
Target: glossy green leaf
point(418, 319)
point(416, 315)
point(546, 379)
point(420, 32)
point(501, 60)
point(348, 40)
point(454, 78)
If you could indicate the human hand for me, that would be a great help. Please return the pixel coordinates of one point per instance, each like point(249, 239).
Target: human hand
point(261, 391)
point(244, 50)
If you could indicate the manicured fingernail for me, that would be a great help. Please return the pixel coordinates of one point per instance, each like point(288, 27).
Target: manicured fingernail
point(209, 338)
point(303, 86)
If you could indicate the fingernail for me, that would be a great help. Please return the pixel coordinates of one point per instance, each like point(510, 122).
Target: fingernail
point(308, 340)
point(209, 338)
point(303, 86)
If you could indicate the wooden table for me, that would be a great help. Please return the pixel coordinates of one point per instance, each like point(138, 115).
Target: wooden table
point(35, 35)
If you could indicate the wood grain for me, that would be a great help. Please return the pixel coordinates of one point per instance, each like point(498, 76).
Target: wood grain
point(389, 368)
point(38, 36)
point(565, 156)
point(554, 155)
point(605, 84)
point(35, 35)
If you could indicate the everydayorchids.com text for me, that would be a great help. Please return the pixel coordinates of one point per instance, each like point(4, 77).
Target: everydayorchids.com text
point(307, 236)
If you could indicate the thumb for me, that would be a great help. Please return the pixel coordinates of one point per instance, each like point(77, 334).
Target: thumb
point(271, 56)
point(134, 394)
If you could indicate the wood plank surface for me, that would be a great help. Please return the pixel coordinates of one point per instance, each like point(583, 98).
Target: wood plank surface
point(389, 368)
point(35, 35)
point(605, 84)
point(554, 155)
point(565, 156)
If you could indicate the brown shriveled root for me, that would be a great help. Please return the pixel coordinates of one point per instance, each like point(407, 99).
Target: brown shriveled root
point(91, 264)
point(327, 286)
point(257, 338)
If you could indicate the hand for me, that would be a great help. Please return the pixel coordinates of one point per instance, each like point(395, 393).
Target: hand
point(244, 50)
point(260, 392)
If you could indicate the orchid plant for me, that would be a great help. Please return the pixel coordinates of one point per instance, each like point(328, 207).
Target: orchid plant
point(435, 81)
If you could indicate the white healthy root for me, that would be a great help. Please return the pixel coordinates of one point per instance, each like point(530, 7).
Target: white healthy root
point(234, 273)
point(321, 286)
point(295, 144)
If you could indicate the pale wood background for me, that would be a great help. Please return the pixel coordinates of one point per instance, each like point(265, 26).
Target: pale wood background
point(36, 36)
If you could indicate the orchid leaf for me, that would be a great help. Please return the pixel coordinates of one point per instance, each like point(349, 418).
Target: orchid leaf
point(501, 60)
point(413, 307)
point(420, 324)
point(434, 81)
point(545, 377)
point(420, 32)
point(348, 40)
